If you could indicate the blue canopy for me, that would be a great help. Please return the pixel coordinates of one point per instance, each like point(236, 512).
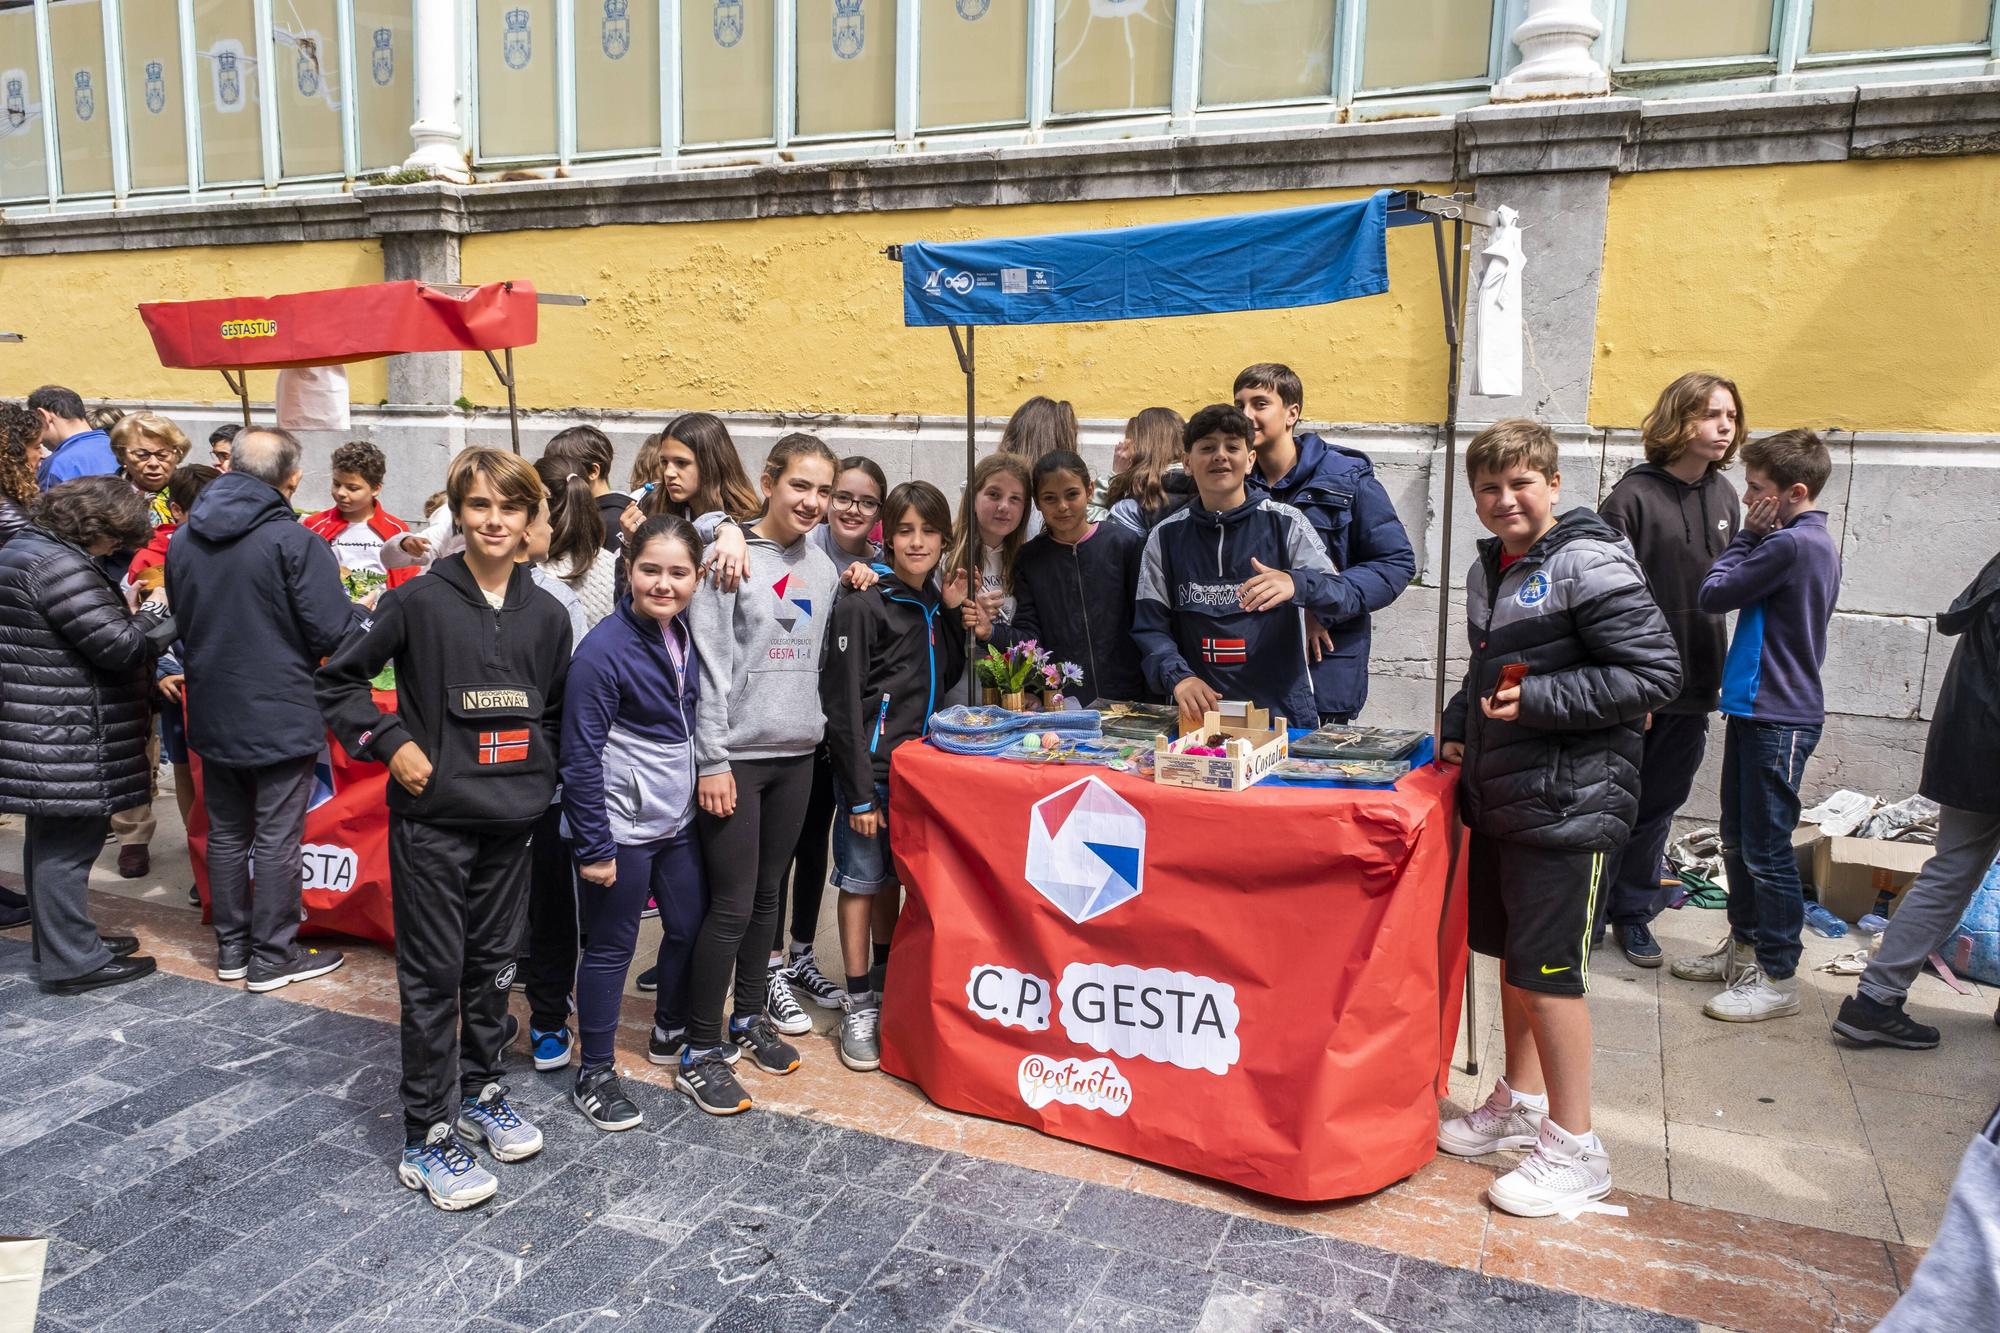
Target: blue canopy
point(1250, 261)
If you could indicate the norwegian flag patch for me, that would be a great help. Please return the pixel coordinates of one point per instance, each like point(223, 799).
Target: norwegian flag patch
point(503, 747)
point(1223, 652)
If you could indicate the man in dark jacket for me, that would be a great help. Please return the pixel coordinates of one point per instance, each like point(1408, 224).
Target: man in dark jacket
point(75, 678)
point(1962, 775)
point(1679, 512)
point(259, 601)
point(1335, 488)
point(1549, 787)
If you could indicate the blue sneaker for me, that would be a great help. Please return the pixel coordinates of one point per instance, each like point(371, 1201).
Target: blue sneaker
point(489, 1118)
point(1638, 944)
point(442, 1168)
point(551, 1048)
point(1822, 922)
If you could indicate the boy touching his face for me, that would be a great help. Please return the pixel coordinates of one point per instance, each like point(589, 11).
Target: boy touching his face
point(357, 524)
point(1549, 786)
point(1224, 585)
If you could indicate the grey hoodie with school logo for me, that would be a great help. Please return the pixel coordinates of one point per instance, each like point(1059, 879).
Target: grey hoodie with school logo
point(760, 650)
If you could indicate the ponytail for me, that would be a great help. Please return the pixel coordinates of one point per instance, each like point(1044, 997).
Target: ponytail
point(576, 529)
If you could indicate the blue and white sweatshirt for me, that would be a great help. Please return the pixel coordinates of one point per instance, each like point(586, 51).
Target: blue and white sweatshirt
point(628, 734)
point(1190, 621)
point(1784, 586)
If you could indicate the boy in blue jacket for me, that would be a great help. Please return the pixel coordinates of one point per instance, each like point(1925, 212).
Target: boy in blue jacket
point(1782, 574)
point(1350, 513)
point(1225, 585)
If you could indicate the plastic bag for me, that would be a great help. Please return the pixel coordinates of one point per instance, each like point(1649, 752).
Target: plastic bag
point(1841, 813)
point(1913, 820)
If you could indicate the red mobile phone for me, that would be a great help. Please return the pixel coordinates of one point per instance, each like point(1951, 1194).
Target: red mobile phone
point(1511, 675)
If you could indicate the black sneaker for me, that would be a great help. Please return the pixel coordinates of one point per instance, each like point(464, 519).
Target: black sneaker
point(649, 980)
point(603, 1102)
point(666, 1050)
point(232, 962)
point(771, 1053)
point(1639, 945)
point(304, 965)
point(708, 1081)
point(1867, 1020)
point(113, 973)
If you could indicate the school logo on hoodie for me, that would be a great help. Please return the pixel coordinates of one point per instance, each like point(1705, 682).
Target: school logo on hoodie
point(791, 610)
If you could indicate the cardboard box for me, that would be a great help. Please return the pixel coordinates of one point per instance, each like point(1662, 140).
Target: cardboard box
point(1851, 873)
point(1254, 743)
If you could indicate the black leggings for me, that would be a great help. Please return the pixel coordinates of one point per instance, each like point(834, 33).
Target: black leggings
point(744, 858)
point(809, 859)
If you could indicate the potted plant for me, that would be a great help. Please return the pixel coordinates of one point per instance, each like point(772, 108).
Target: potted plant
point(1055, 675)
point(1011, 671)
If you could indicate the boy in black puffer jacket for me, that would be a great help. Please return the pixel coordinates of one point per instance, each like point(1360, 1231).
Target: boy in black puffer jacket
point(1549, 787)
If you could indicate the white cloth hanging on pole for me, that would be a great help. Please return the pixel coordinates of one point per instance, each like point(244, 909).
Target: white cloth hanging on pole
point(1496, 311)
point(313, 398)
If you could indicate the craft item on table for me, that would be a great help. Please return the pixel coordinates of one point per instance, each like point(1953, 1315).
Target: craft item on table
point(1342, 772)
point(1120, 755)
point(1251, 742)
point(961, 729)
point(1138, 721)
point(1339, 740)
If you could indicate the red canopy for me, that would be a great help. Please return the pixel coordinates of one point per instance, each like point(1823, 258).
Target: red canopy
point(344, 324)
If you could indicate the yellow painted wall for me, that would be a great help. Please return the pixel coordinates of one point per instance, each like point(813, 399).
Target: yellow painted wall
point(80, 315)
point(804, 315)
point(1859, 295)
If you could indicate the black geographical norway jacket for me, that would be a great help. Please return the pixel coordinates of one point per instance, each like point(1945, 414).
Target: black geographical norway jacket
point(1576, 609)
point(77, 667)
point(479, 691)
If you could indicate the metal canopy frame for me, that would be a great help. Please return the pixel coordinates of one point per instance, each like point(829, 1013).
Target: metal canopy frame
point(1460, 211)
point(238, 379)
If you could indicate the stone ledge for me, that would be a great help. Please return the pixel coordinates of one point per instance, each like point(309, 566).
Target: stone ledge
point(238, 222)
point(1744, 131)
point(1526, 139)
point(1947, 119)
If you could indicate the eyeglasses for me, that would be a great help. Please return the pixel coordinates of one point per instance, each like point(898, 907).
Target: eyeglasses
point(863, 503)
point(147, 456)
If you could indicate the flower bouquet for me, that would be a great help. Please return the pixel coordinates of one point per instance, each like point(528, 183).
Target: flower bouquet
point(1056, 675)
point(1010, 671)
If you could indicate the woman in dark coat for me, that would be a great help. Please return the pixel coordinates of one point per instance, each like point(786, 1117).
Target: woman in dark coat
point(20, 454)
point(75, 675)
point(1962, 774)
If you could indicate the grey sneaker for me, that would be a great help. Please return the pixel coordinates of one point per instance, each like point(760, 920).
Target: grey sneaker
point(1724, 963)
point(232, 962)
point(1754, 997)
point(442, 1168)
point(490, 1119)
point(861, 1035)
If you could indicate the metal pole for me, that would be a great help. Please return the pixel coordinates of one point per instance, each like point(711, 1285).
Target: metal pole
point(240, 382)
point(968, 364)
point(513, 412)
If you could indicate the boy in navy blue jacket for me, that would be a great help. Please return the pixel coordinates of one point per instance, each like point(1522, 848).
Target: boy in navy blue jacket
point(1225, 584)
point(1782, 573)
point(1350, 513)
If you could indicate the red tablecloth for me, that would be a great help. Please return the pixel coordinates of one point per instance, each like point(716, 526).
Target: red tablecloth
point(1275, 1005)
point(345, 854)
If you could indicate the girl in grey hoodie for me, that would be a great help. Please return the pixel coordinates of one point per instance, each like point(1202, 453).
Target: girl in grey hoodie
point(756, 726)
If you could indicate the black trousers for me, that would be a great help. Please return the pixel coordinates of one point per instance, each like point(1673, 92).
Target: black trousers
point(744, 858)
point(260, 813)
point(809, 858)
point(552, 938)
point(1674, 748)
point(460, 898)
point(58, 854)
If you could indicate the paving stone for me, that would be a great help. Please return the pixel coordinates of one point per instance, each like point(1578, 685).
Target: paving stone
point(41, 1207)
point(320, 1297)
point(1110, 1315)
point(796, 1194)
point(1042, 1284)
point(317, 1225)
point(861, 1227)
point(533, 1223)
point(347, 1034)
point(1239, 1305)
point(457, 1285)
point(1601, 1318)
point(782, 1298)
point(643, 1315)
point(166, 1098)
point(174, 1309)
point(60, 1151)
point(667, 1182)
point(591, 1269)
point(169, 994)
point(725, 1252)
point(1432, 1296)
point(134, 1269)
point(294, 1068)
point(957, 1234)
point(872, 1160)
point(313, 1171)
point(909, 1290)
point(1159, 1284)
point(1142, 1223)
point(780, 1140)
point(255, 1015)
point(999, 1190)
point(1318, 1265)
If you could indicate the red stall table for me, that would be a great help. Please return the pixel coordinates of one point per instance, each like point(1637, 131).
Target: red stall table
point(344, 857)
point(1261, 986)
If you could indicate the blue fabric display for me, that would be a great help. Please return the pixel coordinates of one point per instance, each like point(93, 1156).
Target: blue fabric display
point(962, 729)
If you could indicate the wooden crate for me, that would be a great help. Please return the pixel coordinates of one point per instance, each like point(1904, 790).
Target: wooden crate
point(1254, 741)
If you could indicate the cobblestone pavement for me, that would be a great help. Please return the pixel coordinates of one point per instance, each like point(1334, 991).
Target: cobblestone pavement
point(204, 1158)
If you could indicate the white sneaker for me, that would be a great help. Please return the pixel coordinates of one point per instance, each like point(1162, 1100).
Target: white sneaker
point(1498, 1124)
point(1563, 1172)
point(782, 1007)
point(1724, 963)
point(1754, 997)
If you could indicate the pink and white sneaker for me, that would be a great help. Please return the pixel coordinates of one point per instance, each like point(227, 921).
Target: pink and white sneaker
point(1505, 1120)
point(1563, 1172)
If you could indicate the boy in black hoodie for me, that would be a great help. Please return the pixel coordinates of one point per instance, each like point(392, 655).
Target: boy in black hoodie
point(1679, 512)
point(889, 665)
point(480, 655)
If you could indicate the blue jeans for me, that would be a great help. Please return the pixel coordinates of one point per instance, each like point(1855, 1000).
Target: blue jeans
point(1762, 766)
point(861, 865)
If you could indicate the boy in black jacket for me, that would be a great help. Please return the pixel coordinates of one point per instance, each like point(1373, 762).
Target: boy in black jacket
point(480, 655)
point(1679, 512)
point(889, 665)
point(1548, 789)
